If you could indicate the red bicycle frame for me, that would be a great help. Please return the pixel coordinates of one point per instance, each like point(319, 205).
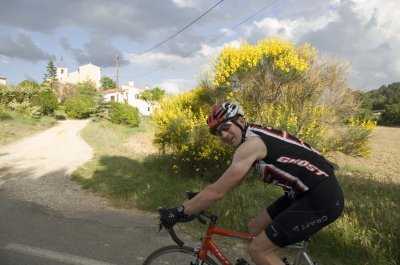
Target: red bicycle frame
point(209, 245)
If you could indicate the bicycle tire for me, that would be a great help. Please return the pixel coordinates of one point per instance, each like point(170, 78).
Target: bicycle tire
point(174, 255)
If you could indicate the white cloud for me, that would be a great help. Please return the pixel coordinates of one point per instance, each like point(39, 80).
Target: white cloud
point(186, 3)
point(4, 59)
point(175, 86)
point(152, 59)
point(365, 33)
point(227, 32)
point(289, 29)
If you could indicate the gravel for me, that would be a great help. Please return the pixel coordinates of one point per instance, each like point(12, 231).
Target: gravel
point(38, 168)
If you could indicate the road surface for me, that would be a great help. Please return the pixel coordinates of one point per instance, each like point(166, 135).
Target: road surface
point(45, 218)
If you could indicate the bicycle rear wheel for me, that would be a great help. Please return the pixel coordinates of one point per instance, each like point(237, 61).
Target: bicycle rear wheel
point(174, 255)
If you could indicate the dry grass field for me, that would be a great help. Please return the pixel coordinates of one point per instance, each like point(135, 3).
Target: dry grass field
point(384, 160)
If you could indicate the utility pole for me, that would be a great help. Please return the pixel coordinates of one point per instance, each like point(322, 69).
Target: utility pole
point(116, 59)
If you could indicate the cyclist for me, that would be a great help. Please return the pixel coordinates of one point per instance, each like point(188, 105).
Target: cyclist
point(312, 196)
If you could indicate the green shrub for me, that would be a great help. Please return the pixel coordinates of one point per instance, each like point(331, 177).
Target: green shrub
point(25, 108)
point(2, 110)
point(80, 107)
point(27, 95)
point(46, 99)
point(125, 114)
point(291, 90)
point(391, 115)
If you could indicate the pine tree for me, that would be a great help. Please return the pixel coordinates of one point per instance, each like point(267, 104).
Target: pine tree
point(50, 77)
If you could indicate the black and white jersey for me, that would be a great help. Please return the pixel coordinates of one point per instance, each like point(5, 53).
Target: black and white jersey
point(289, 163)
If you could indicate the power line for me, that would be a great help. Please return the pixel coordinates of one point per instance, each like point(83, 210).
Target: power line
point(191, 23)
point(210, 41)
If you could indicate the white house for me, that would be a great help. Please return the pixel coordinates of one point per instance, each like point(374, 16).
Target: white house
point(129, 94)
point(3, 80)
point(88, 72)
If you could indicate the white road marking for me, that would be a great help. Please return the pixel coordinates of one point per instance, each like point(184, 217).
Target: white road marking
point(53, 255)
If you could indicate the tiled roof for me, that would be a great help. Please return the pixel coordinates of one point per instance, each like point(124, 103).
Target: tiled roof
point(112, 90)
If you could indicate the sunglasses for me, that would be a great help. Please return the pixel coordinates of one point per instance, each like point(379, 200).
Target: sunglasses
point(223, 127)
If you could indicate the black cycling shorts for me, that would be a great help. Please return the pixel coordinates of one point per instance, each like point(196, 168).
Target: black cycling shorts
point(294, 220)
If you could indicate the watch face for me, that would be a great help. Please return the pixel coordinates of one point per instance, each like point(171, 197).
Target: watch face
point(180, 209)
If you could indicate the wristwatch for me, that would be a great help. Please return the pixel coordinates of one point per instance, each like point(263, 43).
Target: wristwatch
point(180, 209)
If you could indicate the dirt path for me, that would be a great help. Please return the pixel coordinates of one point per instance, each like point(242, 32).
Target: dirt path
point(37, 169)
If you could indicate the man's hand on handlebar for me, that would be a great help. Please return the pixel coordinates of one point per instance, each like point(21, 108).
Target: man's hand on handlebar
point(169, 217)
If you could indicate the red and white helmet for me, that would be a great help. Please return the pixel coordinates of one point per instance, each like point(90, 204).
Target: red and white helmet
point(222, 113)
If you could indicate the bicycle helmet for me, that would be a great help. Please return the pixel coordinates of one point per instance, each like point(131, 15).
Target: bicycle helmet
point(222, 113)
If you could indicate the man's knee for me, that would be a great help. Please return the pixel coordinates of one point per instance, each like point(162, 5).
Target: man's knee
point(253, 228)
point(261, 249)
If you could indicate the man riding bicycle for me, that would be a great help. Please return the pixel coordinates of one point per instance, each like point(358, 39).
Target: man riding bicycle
point(312, 196)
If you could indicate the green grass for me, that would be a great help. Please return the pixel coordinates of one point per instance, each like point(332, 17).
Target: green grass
point(367, 233)
point(15, 126)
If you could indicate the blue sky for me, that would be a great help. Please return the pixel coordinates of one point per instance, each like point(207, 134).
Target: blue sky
point(364, 34)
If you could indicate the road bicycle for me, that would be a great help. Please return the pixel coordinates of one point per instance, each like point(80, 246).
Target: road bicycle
point(199, 254)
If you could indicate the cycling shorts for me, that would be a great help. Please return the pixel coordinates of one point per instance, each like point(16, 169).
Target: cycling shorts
point(294, 220)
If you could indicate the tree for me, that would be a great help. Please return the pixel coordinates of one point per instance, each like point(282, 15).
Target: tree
point(80, 107)
point(106, 82)
point(384, 95)
point(292, 89)
point(87, 88)
point(153, 95)
point(276, 84)
point(65, 91)
point(50, 77)
point(391, 115)
point(28, 84)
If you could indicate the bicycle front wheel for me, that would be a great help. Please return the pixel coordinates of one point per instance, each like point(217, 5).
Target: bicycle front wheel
point(174, 255)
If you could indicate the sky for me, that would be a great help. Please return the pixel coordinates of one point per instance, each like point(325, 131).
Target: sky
point(171, 43)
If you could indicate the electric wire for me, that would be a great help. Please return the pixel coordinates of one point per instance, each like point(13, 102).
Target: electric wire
point(210, 41)
point(191, 23)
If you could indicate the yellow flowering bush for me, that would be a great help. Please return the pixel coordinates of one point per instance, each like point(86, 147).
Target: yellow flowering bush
point(282, 58)
point(181, 131)
point(277, 85)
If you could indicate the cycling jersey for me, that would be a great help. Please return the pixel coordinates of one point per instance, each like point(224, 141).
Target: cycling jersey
point(289, 163)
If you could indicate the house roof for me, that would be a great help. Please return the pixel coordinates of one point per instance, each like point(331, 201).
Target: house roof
point(3, 78)
point(112, 90)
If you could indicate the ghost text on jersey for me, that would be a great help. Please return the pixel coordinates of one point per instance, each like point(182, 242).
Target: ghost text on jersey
point(302, 163)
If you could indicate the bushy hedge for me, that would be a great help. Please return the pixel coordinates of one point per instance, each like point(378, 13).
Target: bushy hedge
point(308, 99)
point(46, 100)
point(391, 115)
point(2, 110)
point(181, 132)
point(79, 107)
point(28, 96)
point(125, 114)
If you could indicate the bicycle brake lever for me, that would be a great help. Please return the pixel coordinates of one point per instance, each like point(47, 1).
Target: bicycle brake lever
point(201, 220)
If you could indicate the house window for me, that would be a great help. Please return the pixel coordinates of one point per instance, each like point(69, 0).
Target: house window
point(112, 98)
point(137, 96)
point(148, 109)
point(62, 71)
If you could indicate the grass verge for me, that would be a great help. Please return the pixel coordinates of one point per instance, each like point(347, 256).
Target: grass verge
point(367, 233)
point(15, 126)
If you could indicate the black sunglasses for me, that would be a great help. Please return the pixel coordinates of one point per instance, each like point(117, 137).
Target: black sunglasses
point(223, 127)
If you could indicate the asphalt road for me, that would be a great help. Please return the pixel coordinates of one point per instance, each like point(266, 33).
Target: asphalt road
point(45, 218)
point(32, 234)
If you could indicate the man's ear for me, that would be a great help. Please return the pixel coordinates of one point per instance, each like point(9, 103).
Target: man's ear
point(241, 120)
